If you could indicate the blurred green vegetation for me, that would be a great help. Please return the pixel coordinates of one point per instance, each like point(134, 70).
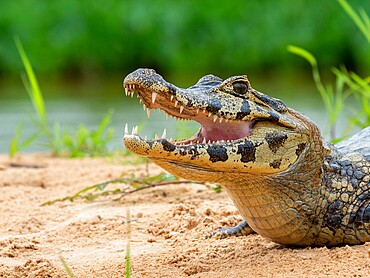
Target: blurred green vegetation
point(80, 38)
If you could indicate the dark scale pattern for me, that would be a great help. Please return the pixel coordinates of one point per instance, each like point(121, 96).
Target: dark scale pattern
point(193, 152)
point(274, 116)
point(300, 148)
point(276, 163)
point(333, 216)
point(247, 150)
point(167, 146)
point(274, 103)
point(214, 106)
point(245, 110)
point(350, 210)
point(275, 140)
point(362, 215)
point(217, 153)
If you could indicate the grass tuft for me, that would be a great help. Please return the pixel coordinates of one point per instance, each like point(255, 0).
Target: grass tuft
point(32, 85)
point(347, 83)
point(333, 98)
point(79, 143)
point(83, 141)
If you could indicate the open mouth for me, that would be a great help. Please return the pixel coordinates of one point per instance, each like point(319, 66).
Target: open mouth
point(215, 128)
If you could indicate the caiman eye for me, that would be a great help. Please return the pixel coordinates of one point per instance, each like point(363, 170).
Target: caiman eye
point(240, 88)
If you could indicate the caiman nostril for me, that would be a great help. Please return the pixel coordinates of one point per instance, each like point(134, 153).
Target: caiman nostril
point(146, 71)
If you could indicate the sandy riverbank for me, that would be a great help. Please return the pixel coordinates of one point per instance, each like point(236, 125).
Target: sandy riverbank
point(168, 228)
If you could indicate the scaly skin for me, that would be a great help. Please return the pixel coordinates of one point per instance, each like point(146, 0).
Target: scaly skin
point(289, 185)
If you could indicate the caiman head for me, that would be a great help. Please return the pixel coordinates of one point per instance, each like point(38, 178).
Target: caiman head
point(242, 130)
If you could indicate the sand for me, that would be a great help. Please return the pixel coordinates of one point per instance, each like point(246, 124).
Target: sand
point(168, 227)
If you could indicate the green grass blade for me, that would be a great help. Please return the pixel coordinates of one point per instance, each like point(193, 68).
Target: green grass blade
point(128, 251)
point(365, 19)
point(362, 24)
point(363, 83)
point(303, 53)
point(14, 144)
point(104, 123)
point(66, 268)
point(315, 71)
point(29, 140)
point(33, 88)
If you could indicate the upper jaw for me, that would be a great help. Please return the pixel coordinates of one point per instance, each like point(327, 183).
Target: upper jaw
point(154, 92)
point(198, 103)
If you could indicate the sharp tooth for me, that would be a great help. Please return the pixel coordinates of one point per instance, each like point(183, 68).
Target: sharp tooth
point(126, 128)
point(135, 130)
point(221, 120)
point(214, 118)
point(148, 113)
point(209, 141)
point(226, 120)
point(137, 96)
point(145, 138)
point(141, 101)
point(167, 116)
point(176, 102)
point(156, 137)
point(170, 139)
point(197, 110)
point(126, 92)
point(209, 114)
point(204, 110)
point(154, 96)
point(164, 134)
point(181, 108)
point(204, 140)
point(132, 93)
point(171, 98)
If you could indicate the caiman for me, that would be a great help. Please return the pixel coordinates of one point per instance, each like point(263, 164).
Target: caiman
point(289, 185)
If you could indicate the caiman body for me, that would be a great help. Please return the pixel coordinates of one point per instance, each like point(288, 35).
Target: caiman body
point(287, 183)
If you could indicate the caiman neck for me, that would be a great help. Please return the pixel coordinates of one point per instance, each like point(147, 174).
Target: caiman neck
point(279, 206)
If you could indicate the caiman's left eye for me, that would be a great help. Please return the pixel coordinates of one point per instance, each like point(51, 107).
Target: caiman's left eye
point(240, 88)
